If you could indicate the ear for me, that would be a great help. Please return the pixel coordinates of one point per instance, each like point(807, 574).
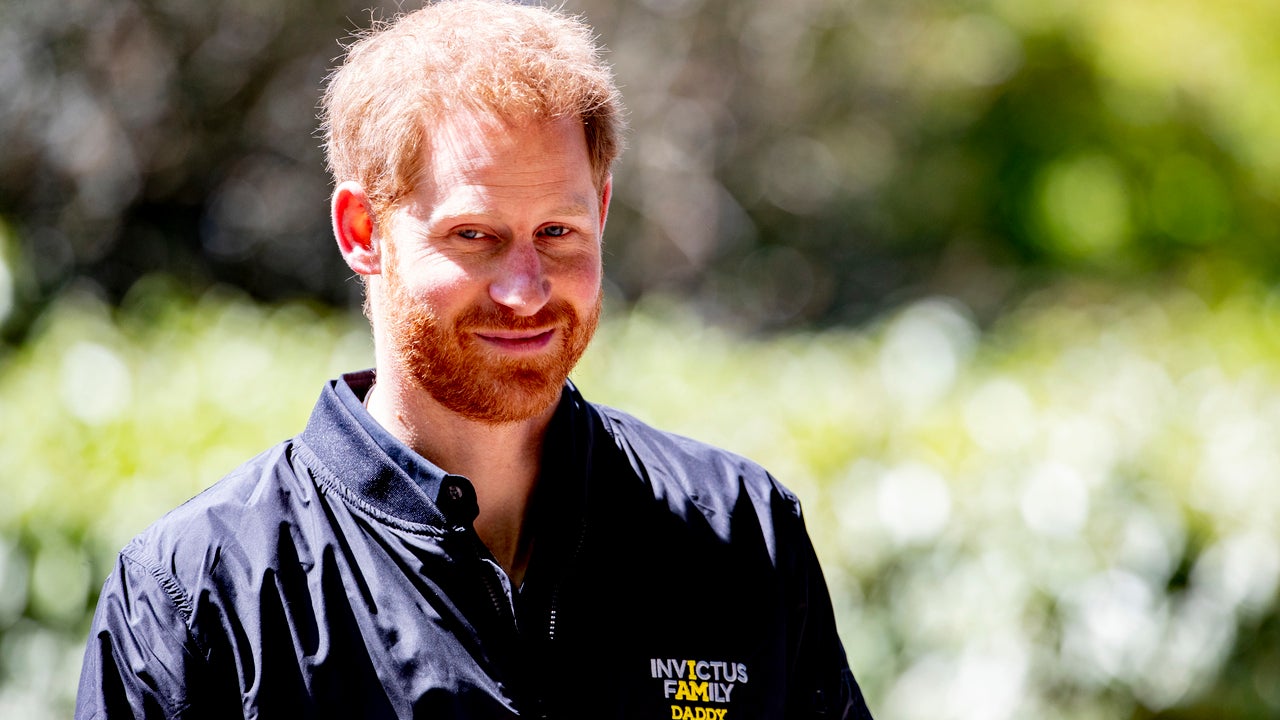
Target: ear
point(353, 227)
point(606, 194)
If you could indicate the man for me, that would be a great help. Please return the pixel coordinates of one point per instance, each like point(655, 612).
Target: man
point(462, 535)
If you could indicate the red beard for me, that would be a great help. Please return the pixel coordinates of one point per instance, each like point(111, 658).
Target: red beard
point(448, 362)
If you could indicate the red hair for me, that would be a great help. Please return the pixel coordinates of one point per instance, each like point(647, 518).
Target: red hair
point(509, 61)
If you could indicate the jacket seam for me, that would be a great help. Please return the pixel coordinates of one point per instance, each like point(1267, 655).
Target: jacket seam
point(173, 591)
point(329, 482)
point(169, 584)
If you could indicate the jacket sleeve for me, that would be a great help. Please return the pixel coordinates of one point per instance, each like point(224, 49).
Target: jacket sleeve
point(141, 657)
point(822, 685)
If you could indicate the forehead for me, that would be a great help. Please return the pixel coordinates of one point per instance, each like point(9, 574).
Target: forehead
point(485, 151)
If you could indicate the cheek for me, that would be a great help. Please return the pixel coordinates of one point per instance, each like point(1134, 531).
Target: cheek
point(436, 280)
point(583, 276)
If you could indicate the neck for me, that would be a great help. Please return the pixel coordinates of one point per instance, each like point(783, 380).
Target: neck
point(502, 461)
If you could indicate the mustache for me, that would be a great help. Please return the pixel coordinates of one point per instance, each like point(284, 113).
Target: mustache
point(555, 313)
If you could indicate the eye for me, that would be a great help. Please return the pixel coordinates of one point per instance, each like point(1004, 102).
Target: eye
point(471, 234)
point(555, 231)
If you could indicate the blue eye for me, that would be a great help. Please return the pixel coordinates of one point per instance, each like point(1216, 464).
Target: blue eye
point(471, 234)
point(555, 231)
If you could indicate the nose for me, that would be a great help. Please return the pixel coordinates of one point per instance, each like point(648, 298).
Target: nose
point(521, 283)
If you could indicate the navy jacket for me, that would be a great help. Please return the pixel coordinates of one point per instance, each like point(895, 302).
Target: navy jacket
point(669, 579)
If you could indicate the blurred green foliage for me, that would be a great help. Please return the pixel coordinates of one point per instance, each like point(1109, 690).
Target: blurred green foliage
point(112, 416)
point(792, 164)
point(1028, 385)
point(1069, 515)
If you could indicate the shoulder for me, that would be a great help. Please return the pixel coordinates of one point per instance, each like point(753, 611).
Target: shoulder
point(682, 470)
point(156, 639)
point(231, 523)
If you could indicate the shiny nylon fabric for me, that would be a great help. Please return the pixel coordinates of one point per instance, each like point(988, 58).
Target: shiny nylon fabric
point(319, 581)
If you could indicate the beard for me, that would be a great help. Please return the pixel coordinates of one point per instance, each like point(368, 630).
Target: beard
point(445, 358)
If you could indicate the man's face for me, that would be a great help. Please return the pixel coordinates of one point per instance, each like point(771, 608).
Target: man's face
point(491, 283)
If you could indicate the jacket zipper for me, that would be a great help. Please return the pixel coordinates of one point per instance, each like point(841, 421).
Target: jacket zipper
point(554, 611)
point(495, 593)
point(492, 585)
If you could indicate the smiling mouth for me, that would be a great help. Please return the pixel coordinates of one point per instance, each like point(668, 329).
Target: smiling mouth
point(517, 340)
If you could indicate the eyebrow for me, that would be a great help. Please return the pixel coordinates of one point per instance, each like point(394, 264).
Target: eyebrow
point(577, 209)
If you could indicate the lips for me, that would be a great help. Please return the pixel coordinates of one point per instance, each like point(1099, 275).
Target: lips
point(517, 340)
point(505, 332)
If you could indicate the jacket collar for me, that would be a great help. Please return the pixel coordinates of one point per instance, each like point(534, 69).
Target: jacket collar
point(356, 459)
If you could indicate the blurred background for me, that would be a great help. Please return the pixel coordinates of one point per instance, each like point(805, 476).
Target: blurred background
point(992, 284)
